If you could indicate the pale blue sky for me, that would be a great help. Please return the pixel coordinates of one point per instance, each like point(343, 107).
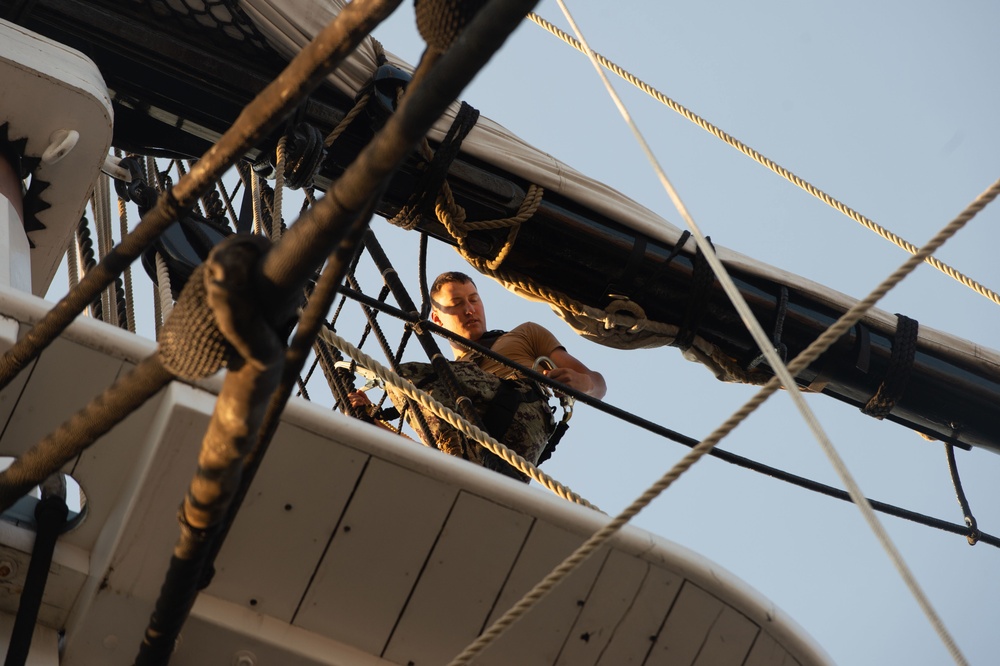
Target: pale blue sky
point(889, 107)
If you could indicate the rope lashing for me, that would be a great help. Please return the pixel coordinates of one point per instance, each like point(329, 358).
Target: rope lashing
point(780, 310)
point(904, 349)
point(432, 180)
point(702, 279)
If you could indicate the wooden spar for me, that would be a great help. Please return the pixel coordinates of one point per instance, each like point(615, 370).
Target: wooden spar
point(567, 246)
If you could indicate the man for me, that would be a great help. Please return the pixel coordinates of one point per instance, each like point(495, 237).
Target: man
point(457, 306)
point(514, 408)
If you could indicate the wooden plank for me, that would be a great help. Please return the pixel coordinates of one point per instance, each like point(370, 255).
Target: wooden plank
point(767, 652)
point(614, 593)
point(462, 579)
point(300, 494)
point(374, 560)
point(65, 378)
point(539, 636)
point(729, 641)
point(686, 628)
point(634, 637)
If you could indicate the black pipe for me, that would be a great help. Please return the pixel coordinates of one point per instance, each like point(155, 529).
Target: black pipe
point(50, 517)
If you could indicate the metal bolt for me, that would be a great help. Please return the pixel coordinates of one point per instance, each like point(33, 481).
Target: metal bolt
point(6, 568)
point(244, 658)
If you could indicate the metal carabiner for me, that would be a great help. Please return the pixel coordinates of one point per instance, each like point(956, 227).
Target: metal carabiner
point(374, 381)
point(565, 401)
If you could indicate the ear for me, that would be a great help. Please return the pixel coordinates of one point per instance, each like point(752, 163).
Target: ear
point(434, 317)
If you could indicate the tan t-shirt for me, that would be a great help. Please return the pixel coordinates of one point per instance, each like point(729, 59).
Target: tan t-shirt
point(523, 345)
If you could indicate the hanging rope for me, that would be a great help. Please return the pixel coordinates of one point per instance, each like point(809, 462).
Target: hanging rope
point(776, 168)
point(974, 534)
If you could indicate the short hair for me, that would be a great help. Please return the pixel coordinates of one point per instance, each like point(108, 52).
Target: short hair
point(446, 278)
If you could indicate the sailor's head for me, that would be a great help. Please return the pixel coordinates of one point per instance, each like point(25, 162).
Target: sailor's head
point(456, 306)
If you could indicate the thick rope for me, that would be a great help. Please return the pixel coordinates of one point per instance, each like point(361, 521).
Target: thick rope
point(429, 403)
point(73, 261)
point(279, 186)
point(812, 352)
point(164, 294)
point(776, 168)
point(129, 297)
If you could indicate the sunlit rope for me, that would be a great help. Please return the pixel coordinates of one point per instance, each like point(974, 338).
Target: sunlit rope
point(776, 168)
point(279, 186)
point(123, 231)
point(164, 296)
point(428, 402)
point(783, 376)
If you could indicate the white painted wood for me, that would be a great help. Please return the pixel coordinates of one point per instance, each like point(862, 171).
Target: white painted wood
point(44, 650)
point(299, 493)
point(767, 652)
point(634, 637)
point(686, 628)
point(538, 637)
point(69, 87)
point(134, 550)
point(376, 556)
point(65, 378)
point(614, 593)
point(729, 641)
point(460, 583)
point(15, 261)
point(218, 632)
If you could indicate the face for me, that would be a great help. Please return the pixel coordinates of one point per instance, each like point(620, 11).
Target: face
point(458, 308)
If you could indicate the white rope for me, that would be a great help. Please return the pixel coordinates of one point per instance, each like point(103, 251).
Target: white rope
point(776, 168)
point(73, 263)
point(428, 402)
point(783, 376)
point(255, 198)
point(164, 294)
point(279, 187)
point(100, 206)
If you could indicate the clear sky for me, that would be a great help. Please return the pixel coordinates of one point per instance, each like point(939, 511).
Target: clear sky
point(890, 107)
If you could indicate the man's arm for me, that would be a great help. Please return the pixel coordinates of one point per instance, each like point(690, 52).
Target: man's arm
point(574, 374)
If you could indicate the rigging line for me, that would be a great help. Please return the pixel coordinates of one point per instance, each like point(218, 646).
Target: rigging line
point(776, 168)
point(666, 433)
point(807, 356)
point(470, 430)
point(783, 375)
point(258, 118)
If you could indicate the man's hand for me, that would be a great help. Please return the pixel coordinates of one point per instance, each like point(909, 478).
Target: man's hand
point(359, 399)
point(574, 374)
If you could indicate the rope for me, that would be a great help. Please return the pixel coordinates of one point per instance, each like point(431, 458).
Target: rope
point(342, 126)
point(974, 534)
point(776, 168)
point(73, 261)
point(165, 298)
point(666, 433)
point(440, 410)
point(277, 221)
point(784, 375)
point(804, 359)
point(129, 298)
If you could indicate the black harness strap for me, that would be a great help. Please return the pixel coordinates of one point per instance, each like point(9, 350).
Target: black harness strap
point(904, 348)
point(702, 279)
